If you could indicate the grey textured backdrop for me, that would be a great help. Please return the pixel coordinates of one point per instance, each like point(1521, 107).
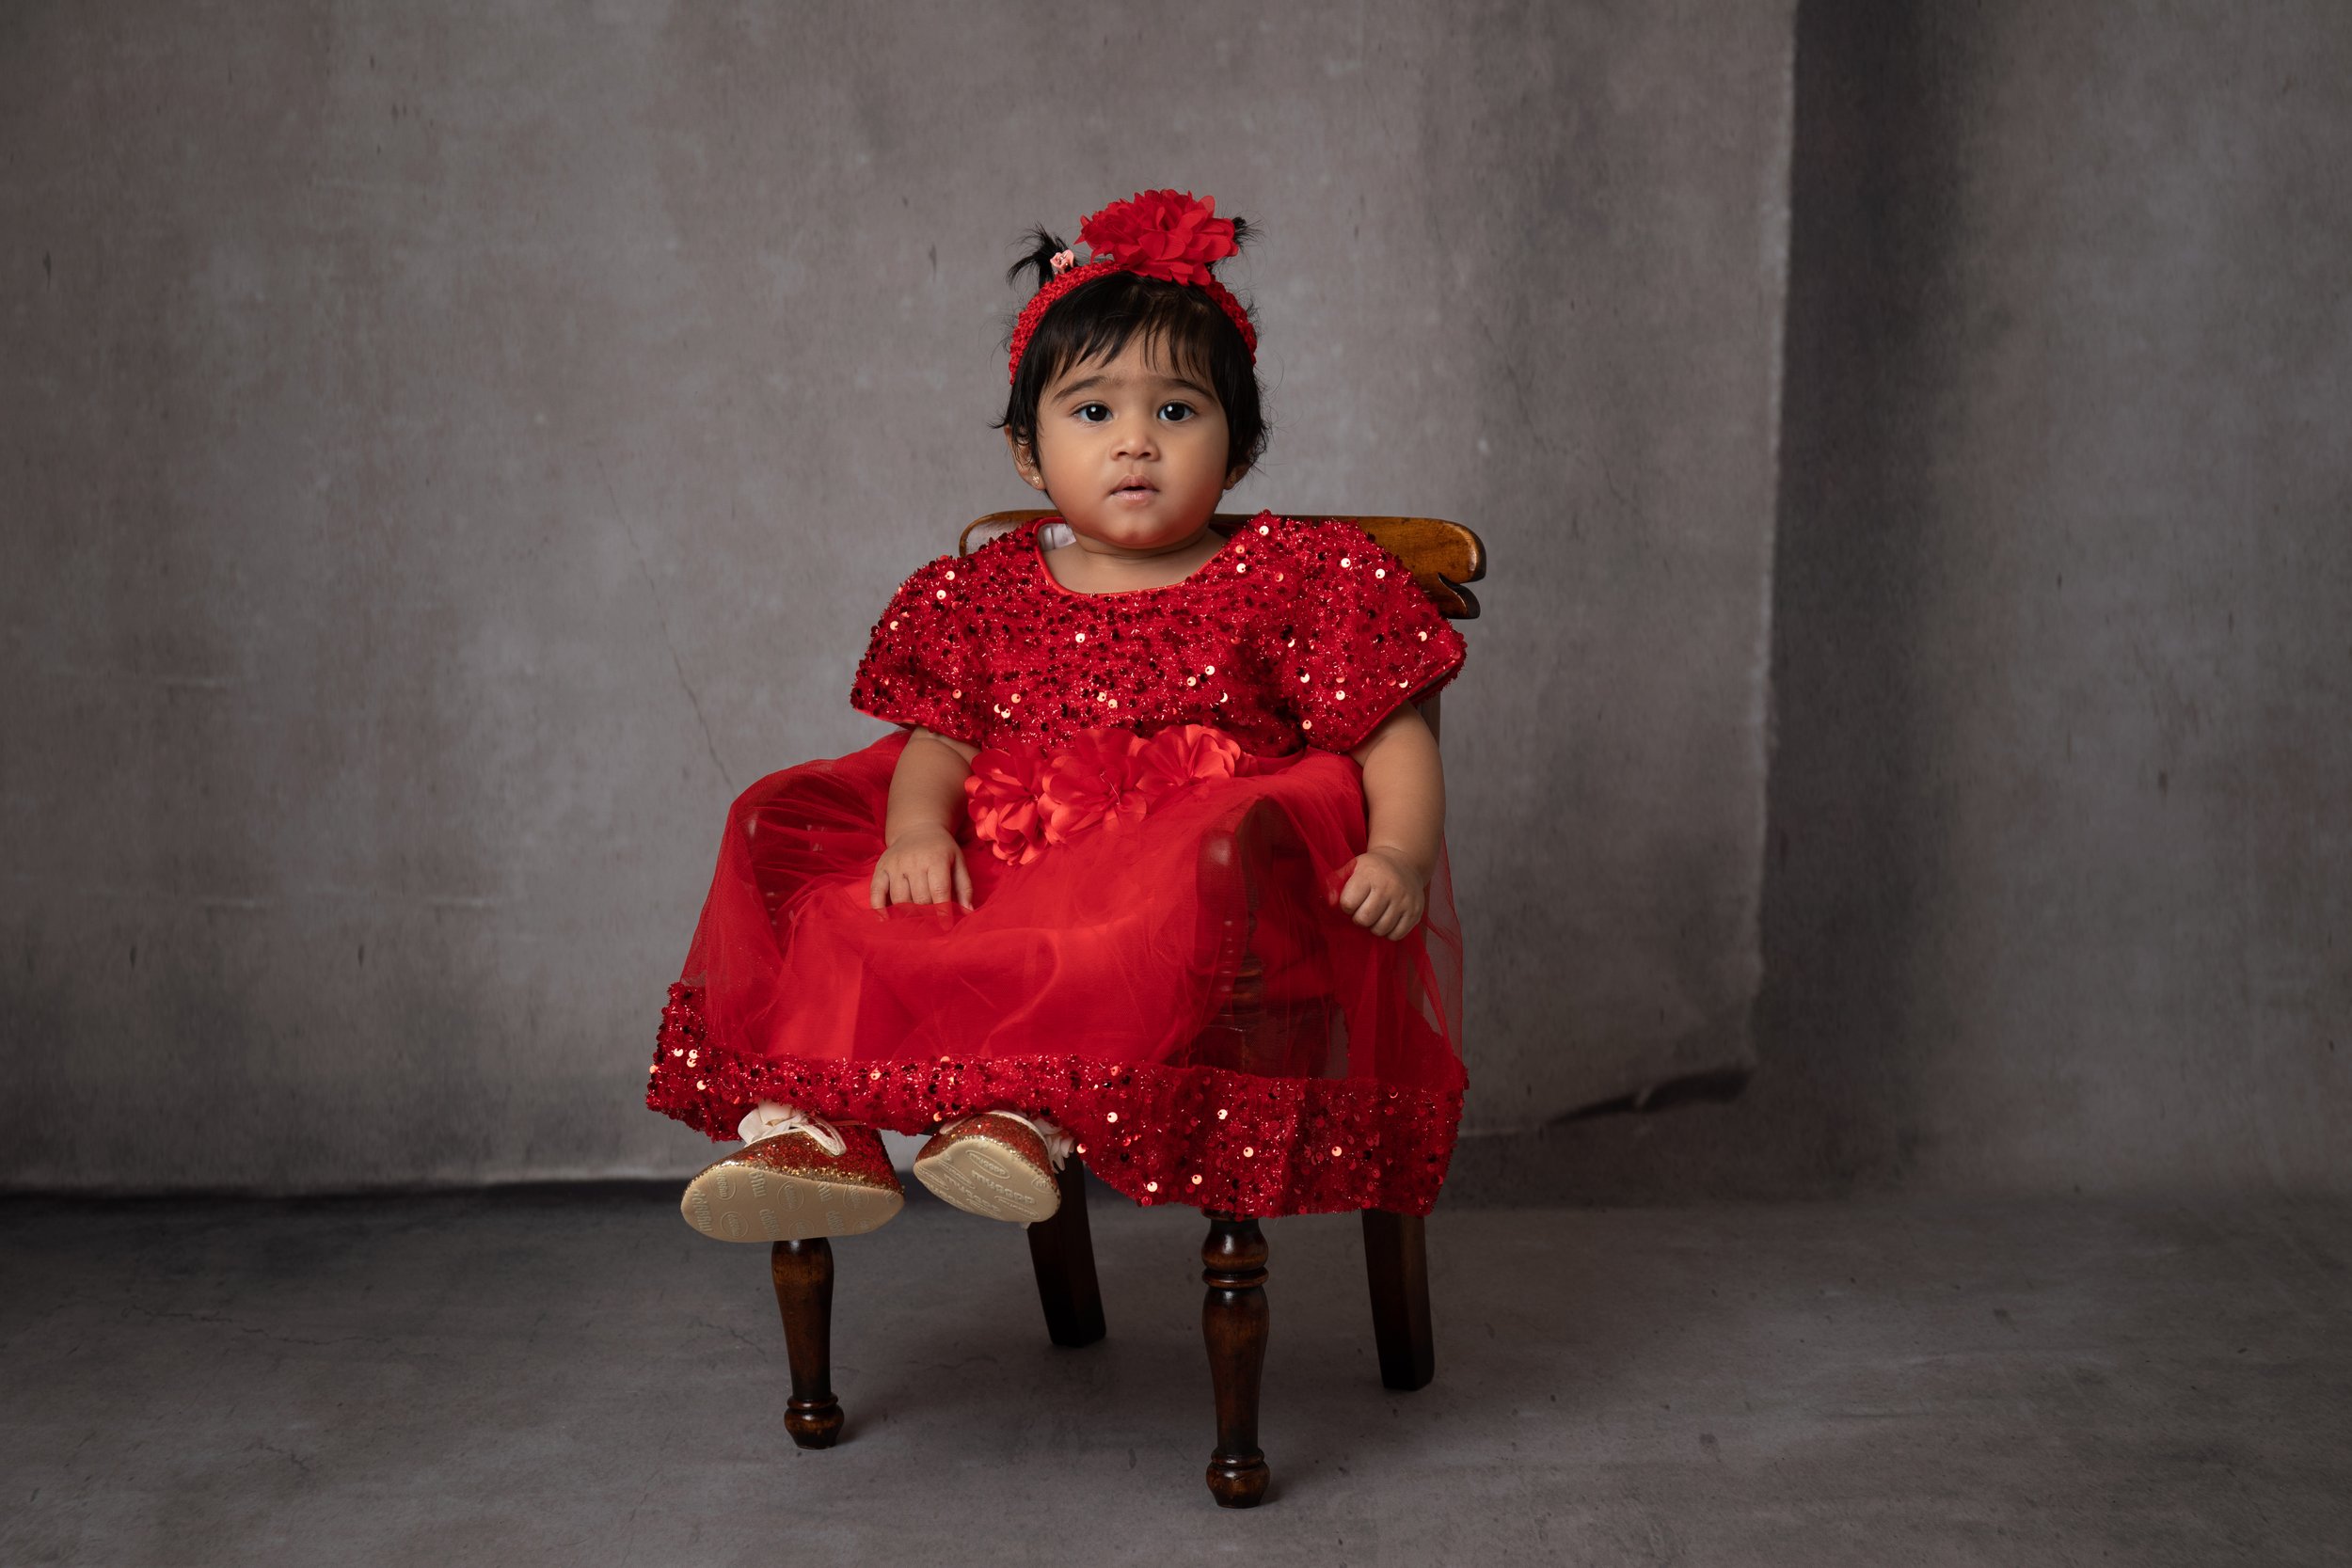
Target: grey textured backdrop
point(445, 456)
point(2059, 893)
point(450, 451)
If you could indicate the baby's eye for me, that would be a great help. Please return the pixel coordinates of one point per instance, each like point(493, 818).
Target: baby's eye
point(1093, 413)
point(1176, 413)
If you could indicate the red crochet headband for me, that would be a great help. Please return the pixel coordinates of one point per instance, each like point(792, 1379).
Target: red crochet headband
point(1162, 235)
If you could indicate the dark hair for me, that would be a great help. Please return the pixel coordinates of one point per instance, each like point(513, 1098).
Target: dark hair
point(1098, 320)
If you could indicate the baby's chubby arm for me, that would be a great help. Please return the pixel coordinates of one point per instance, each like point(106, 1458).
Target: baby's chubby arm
point(921, 863)
point(1388, 886)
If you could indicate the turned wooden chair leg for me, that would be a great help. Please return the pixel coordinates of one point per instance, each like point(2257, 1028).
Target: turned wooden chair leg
point(1061, 1250)
point(1396, 1260)
point(803, 1271)
point(1233, 1322)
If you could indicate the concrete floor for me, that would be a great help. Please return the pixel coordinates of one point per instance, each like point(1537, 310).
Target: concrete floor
point(573, 1377)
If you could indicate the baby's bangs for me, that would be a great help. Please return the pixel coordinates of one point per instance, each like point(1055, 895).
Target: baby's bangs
point(1180, 331)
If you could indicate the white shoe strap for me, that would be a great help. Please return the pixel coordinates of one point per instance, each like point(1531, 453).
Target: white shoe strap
point(768, 1118)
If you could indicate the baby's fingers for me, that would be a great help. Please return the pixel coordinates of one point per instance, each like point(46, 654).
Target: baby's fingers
point(1374, 903)
point(1404, 918)
point(963, 882)
point(879, 893)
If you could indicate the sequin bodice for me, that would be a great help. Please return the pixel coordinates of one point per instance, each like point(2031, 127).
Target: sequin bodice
point(1296, 633)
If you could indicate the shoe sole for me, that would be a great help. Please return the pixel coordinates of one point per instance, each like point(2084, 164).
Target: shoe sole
point(978, 1180)
point(746, 1204)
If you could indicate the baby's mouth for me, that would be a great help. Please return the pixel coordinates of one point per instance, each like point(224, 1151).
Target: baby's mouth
point(1135, 489)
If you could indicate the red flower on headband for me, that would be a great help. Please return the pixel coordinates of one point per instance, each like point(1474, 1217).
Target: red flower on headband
point(1161, 235)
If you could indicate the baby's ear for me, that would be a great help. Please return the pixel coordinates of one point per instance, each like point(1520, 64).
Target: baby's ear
point(1237, 476)
point(1025, 460)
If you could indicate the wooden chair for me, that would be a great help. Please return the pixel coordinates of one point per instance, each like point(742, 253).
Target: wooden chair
point(1442, 557)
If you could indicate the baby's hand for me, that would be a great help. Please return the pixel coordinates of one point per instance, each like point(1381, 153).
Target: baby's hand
point(1385, 893)
point(924, 866)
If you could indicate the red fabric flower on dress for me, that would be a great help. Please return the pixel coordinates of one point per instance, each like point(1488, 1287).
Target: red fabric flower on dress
point(1001, 795)
point(1022, 799)
point(1089, 780)
point(1182, 755)
point(1161, 235)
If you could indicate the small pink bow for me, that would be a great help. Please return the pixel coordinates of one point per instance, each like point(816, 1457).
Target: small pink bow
point(1064, 261)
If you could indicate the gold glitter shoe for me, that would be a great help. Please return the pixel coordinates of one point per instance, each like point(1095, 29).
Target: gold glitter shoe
point(805, 1178)
point(998, 1164)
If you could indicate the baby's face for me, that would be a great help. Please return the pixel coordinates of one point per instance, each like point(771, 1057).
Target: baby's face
point(1131, 450)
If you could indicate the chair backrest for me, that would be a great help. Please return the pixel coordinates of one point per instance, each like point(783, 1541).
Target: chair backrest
point(1441, 556)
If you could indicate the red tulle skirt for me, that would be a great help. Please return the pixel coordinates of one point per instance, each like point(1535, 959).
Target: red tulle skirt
point(1176, 988)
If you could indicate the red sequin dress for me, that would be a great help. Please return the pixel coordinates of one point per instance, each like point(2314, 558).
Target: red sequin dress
point(1161, 972)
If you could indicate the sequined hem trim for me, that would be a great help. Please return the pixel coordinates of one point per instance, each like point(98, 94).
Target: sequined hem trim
point(1203, 1136)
